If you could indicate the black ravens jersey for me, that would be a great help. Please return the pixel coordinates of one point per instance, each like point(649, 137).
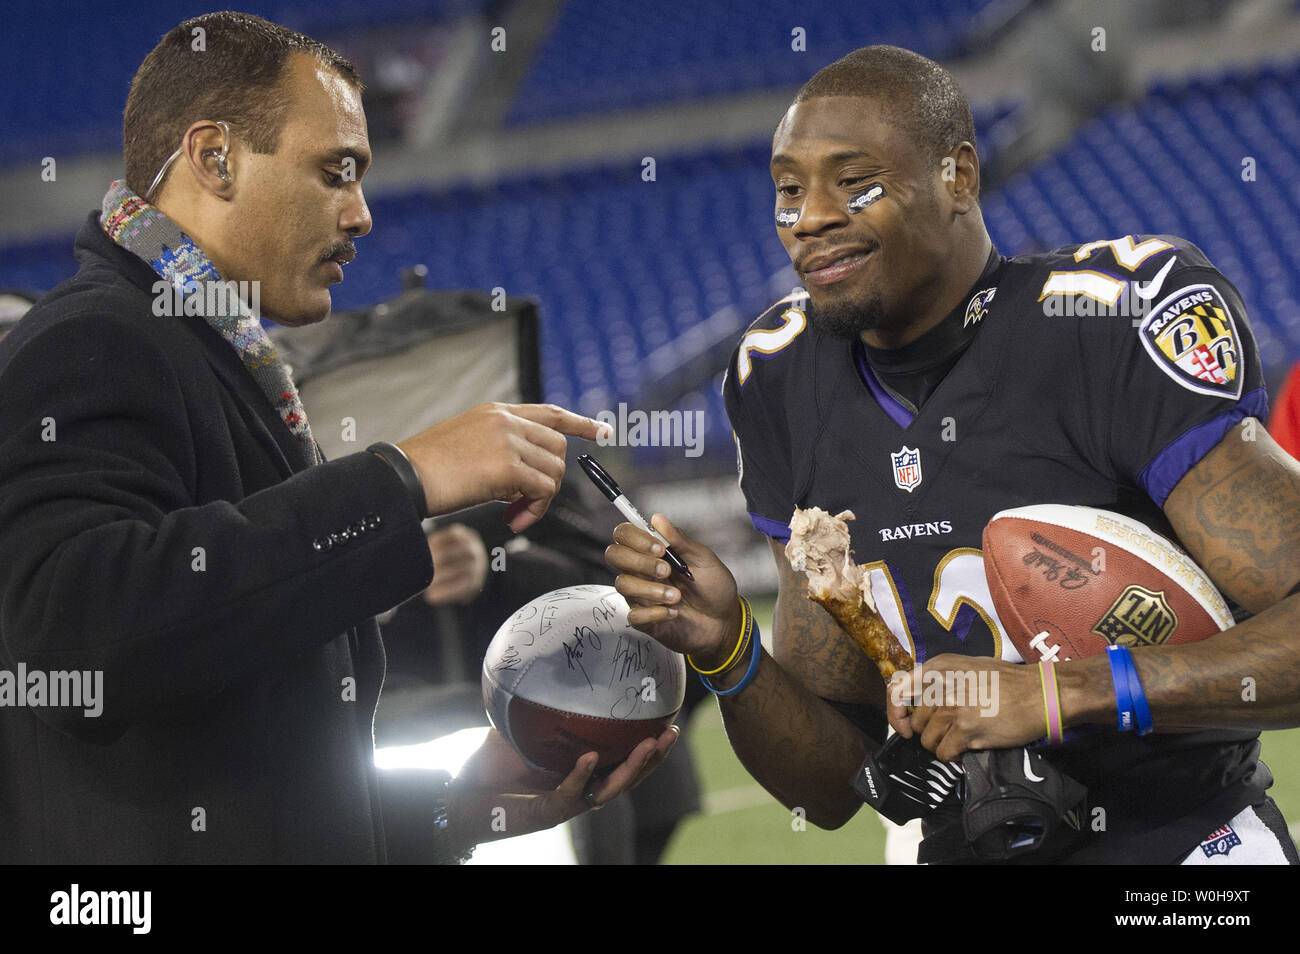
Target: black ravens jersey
point(1096, 374)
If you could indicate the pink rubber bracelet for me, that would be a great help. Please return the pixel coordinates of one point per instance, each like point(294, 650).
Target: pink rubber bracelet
point(1051, 700)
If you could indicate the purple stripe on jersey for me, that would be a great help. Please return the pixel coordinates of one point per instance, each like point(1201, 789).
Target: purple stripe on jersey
point(1159, 477)
point(909, 615)
point(888, 403)
point(773, 528)
point(963, 621)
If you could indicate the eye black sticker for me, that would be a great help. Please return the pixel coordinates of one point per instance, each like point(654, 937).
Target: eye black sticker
point(864, 199)
point(786, 218)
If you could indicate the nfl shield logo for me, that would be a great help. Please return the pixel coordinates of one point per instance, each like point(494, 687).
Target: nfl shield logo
point(907, 468)
point(1220, 842)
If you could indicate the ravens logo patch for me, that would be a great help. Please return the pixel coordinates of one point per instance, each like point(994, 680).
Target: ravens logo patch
point(1191, 335)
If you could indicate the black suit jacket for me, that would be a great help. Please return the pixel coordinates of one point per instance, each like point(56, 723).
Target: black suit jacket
point(158, 524)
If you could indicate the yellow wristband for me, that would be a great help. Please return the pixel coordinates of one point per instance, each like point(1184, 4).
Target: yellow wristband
point(746, 628)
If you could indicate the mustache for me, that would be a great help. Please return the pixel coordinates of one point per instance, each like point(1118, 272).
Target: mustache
point(344, 251)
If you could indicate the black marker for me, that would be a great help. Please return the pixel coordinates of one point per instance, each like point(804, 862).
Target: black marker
point(600, 477)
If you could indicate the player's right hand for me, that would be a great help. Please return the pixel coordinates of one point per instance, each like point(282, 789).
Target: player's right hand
point(508, 452)
point(700, 617)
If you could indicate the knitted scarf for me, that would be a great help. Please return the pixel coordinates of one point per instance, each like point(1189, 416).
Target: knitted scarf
point(143, 230)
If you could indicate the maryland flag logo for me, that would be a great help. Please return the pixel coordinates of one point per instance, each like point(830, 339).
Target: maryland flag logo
point(1192, 337)
point(1140, 617)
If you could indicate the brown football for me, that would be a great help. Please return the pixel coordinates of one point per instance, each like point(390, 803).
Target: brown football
point(1070, 581)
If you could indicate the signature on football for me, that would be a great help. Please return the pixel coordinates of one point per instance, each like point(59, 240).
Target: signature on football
point(510, 660)
point(1071, 579)
point(643, 690)
point(530, 623)
point(630, 656)
point(584, 638)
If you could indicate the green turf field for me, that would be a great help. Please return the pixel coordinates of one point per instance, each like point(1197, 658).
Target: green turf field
point(742, 824)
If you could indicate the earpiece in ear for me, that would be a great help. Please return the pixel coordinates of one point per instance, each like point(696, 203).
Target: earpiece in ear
point(222, 171)
point(219, 155)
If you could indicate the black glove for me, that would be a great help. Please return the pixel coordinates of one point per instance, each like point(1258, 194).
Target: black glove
point(1017, 802)
point(903, 780)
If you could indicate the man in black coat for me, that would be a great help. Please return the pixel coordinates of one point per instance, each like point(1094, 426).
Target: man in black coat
point(173, 542)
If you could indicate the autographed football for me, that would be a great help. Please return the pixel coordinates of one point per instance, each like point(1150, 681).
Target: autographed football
point(1069, 581)
point(566, 675)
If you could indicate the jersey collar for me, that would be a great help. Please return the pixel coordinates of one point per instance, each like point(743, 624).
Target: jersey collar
point(949, 336)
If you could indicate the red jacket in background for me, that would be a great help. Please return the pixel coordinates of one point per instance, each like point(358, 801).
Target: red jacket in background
point(1284, 420)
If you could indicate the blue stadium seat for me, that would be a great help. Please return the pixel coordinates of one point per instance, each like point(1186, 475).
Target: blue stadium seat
point(602, 55)
point(73, 63)
point(622, 267)
point(1177, 162)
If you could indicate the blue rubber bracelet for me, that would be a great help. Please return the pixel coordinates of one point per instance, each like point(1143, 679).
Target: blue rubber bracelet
point(1125, 661)
point(756, 650)
point(1141, 709)
point(1119, 663)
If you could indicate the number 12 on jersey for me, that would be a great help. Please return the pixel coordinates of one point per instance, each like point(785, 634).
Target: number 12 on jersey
point(959, 581)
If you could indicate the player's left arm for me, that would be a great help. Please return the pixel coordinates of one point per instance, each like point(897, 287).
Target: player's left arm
point(1237, 511)
point(1238, 514)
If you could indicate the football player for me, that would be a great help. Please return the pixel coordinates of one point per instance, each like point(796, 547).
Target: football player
point(927, 382)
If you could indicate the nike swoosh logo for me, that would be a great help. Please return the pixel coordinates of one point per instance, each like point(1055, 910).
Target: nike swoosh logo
point(1029, 772)
point(1150, 289)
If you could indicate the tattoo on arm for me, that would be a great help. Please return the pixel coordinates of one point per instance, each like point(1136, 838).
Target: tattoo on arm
point(1238, 514)
point(796, 746)
point(811, 647)
point(1246, 677)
